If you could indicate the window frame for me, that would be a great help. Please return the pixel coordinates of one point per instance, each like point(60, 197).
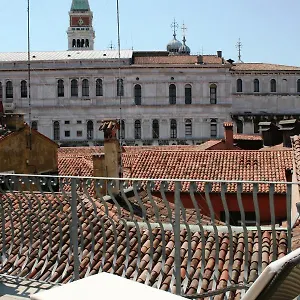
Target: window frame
point(120, 87)
point(172, 94)
point(213, 128)
point(137, 130)
point(9, 90)
point(56, 130)
point(188, 127)
point(60, 88)
point(99, 87)
point(74, 88)
point(173, 129)
point(122, 130)
point(239, 85)
point(188, 94)
point(155, 129)
point(24, 90)
point(85, 88)
point(137, 94)
point(273, 85)
point(213, 89)
point(256, 86)
point(90, 130)
point(298, 85)
point(1, 90)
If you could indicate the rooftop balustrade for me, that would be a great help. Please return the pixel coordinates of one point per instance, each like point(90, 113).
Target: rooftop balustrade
point(193, 238)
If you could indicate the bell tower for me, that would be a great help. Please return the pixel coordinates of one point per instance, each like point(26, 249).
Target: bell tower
point(81, 33)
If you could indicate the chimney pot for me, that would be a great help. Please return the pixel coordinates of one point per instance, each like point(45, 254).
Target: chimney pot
point(219, 53)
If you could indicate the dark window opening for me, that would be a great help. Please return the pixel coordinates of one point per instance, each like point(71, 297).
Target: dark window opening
point(34, 125)
point(122, 130)
point(155, 129)
point(85, 88)
point(173, 128)
point(99, 88)
point(188, 127)
point(213, 94)
point(67, 133)
point(120, 87)
point(236, 219)
point(239, 86)
point(256, 85)
point(90, 130)
point(188, 94)
point(60, 88)
point(74, 88)
point(9, 90)
point(137, 94)
point(23, 89)
point(172, 94)
point(213, 128)
point(137, 130)
point(56, 131)
point(239, 126)
point(273, 86)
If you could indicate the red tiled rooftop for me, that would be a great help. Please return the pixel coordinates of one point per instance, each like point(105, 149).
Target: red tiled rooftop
point(263, 67)
point(247, 137)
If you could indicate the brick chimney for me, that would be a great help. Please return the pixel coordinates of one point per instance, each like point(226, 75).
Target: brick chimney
point(228, 128)
point(289, 128)
point(112, 151)
point(99, 170)
point(13, 121)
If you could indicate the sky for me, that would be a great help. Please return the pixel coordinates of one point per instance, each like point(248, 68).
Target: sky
point(268, 29)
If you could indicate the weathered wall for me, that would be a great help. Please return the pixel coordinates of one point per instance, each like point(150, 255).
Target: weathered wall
point(15, 154)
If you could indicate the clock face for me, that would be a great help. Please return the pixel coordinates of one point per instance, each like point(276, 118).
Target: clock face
point(80, 22)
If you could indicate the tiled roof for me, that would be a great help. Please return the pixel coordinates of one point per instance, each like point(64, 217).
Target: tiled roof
point(247, 137)
point(75, 166)
point(275, 148)
point(177, 59)
point(216, 165)
point(296, 155)
point(263, 67)
point(65, 55)
point(50, 258)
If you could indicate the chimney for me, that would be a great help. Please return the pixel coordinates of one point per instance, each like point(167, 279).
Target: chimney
point(112, 151)
point(14, 121)
point(289, 128)
point(200, 59)
point(228, 128)
point(219, 54)
point(99, 170)
point(270, 133)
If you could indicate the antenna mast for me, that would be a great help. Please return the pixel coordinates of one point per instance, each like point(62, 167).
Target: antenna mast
point(120, 85)
point(239, 46)
point(29, 73)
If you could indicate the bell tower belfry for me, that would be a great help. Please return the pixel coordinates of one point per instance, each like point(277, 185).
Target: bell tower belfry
point(81, 33)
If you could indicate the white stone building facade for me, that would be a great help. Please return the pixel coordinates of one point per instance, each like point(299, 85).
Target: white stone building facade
point(163, 97)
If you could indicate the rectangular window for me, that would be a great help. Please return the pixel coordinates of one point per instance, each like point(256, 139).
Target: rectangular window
point(213, 130)
point(79, 133)
point(67, 133)
point(188, 128)
point(67, 122)
point(79, 122)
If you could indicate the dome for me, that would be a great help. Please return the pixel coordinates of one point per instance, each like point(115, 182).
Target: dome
point(184, 49)
point(174, 46)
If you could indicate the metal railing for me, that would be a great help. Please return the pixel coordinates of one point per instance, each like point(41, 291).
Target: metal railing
point(186, 237)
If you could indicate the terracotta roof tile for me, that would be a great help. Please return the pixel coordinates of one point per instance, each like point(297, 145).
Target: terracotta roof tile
point(247, 137)
point(46, 226)
point(215, 165)
point(178, 60)
point(263, 67)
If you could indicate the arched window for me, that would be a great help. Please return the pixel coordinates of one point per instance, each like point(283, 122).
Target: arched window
point(78, 43)
point(122, 129)
point(23, 89)
point(60, 88)
point(239, 126)
point(137, 130)
point(172, 94)
point(56, 131)
point(188, 94)
point(9, 90)
point(155, 129)
point(90, 130)
point(137, 94)
point(256, 85)
point(34, 125)
point(273, 86)
point(74, 88)
point(298, 86)
point(120, 87)
point(85, 88)
point(173, 129)
point(1, 91)
point(213, 128)
point(87, 43)
point(239, 86)
point(99, 87)
point(188, 127)
point(213, 94)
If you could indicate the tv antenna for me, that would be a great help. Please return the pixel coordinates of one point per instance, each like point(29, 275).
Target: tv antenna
point(239, 47)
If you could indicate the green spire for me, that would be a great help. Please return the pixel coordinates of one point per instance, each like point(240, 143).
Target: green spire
point(80, 5)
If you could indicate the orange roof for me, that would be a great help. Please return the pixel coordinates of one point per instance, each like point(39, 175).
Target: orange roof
point(248, 137)
point(215, 165)
point(263, 67)
point(178, 59)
